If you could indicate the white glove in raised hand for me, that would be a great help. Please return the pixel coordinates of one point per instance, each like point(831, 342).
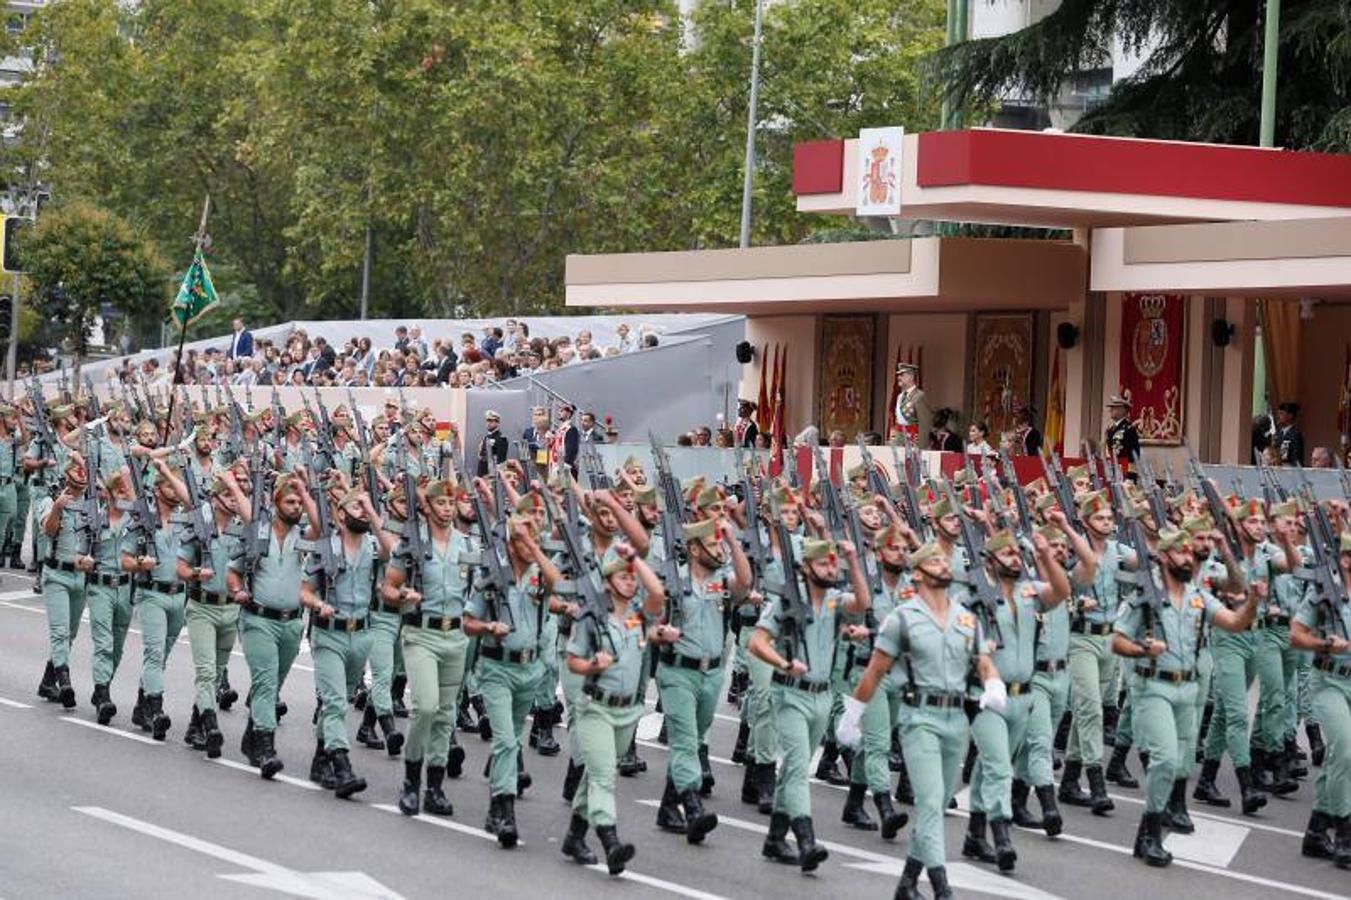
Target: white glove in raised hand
point(848, 731)
point(995, 697)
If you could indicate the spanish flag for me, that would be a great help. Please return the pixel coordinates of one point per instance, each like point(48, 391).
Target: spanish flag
point(1053, 432)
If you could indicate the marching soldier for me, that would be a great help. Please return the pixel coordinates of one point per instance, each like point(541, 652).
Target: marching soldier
point(63, 580)
point(912, 412)
point(109, 594)
point(9, 471)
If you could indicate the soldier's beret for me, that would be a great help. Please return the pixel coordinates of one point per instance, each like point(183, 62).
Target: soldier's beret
point(1094, 502)
point(646, 495)
point(1173, 539)
point(1198, 524)
point(700, 531)
point(1046, 502)
point(1248, 508)
point(814, 549)
point(614, 565)
point(707, 497)
point(1000, 540)
point(1287, 508)
point(1051, 533)
point(529, 502)
point(440, 488)
point(1074, 473)
point(942, 507)
point(925, 553)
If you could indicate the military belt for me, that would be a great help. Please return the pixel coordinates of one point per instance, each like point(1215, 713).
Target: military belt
point(378, 606)
point(210, 598)
point(1331, 666)
point(1050, 665)
point(1164, 675)
point(267, 612)
point(60, 566)
point(942, 701)
point(1017, 688)
point(432, 623)
point(801, 684)
point(520, 657)
point(1086, 628)
point(347, 625)
point(612, 700)
point(1278, 621)
point(110, 580)
point(162, 587)
point(695, 663)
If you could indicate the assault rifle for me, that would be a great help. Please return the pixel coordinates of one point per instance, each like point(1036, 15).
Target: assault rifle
point(1147, 593)
point(64, 381)
point(368, 474)
point(144, 517)
point(330, 559)
point(258, 534)
point(1158, 507)
point(91, 512)
point(201, 524)
point(594, 468)
point(1061, 487)
point(877, 482)
point(909, 494)
point(278, 423)
point(675, 554)
point(985, 597)
point(494, 559)
point(795, 608)
point(1325, 573)
point(585, 574)
point(1215, 505)
point(42, 426)
point(325, 432)
point(1094, 473)
point(750, 540)
point(414, 550)
point(1273, 491)
point(832, 507)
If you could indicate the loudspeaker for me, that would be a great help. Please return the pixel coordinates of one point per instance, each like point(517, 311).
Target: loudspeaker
point(1066, 335)
point(744, 352)
point(1221, 332)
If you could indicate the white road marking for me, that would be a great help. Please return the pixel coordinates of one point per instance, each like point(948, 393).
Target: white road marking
point(108, 729)
point(965, 876)
point(20, 606)
point(440, 822)
point(1251, 824)
point(19, 595)
point(1213, 843)
point(252, 770)
point(658, 883)
point(15, 704)
point(266, 874)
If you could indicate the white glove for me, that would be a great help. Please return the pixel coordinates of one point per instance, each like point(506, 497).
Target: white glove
point(995, 697)
point(848, 731)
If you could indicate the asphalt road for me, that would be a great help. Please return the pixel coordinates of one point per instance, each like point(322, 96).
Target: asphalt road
point(108, 813)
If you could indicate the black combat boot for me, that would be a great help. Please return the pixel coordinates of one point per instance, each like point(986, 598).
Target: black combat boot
point(573, 780)
point(248, 745)
point(393, 738)
point(698, 821)
point(225, 695)
point(736, 687)
point(193, 736)
point(776, 846)
point(485, 728)
point(1252, 800)
point(281, 709)
point(1051, 820)
point(706, 781)
point(574, 844)
point(905, 793)
point(1282, 781)
point(103, 704)
point(366, 735)
point(669, 816)
point(507, 836)
point(321, 767)
point(159, 720)
point(828, 769)
point(617, 853)
point(65, 692)
point(269, 763)
point(743, 734)
point(1149, 841)
point(1110, 716)
point(211, 735)
point(1207, 714)
point(1317, 748)
point(976, 846)
point(748, 792)
point(47, 686)
point(396, 687)
point(1022, 817)
point(855, 812)
point(809, 853)
point(409, 800)
point(454, 759)
point(542, 734)
point(893, 820)
point(1262, 779)
point(1175, 817)
point(1341, 851)
point(1205, 789)
point(1117, 773)
point(765, 782)
point(360, 697)
point(1004, 853)
point(434, 799)
point(938, 880)
point(138, 717)
point(1295, 759)
point(630, 764)
point(1097, 792)
point(1317, 844)
point(464, 715)
point(1062, 732)
point(908, 888)
point(895, 757)
point(523, 779)
point(345, 781)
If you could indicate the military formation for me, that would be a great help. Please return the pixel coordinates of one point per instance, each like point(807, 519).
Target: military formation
point(919, 632)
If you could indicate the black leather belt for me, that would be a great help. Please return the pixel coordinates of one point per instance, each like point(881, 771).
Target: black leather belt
point(1017, 688)
point(60, 566)
point(1050, 665)
point(348, 625)
point(110, 580)
point(1331, 666)
point(612, 700)
point(695, 663)
point(267, 612)
point(520, 657)
point(1278, 621)
point(431, 623)
point(210, 598)
point(942, 701)
point(1163, 675)
point(378, 606)
point(748, 618)
point(161, 587)
point(1085, 628)
point(809, 687)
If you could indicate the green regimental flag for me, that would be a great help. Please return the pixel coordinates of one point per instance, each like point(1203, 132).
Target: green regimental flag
point(196, 295)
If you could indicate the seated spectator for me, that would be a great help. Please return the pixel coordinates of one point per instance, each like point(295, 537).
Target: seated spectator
point(944, 436)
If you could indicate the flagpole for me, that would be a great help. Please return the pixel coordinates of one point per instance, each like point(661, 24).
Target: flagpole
point(198, 240)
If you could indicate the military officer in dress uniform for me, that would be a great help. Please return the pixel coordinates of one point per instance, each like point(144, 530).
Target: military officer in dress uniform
point(1123, 438)
point(745, 430)
point(912, 411)
point(494, 442)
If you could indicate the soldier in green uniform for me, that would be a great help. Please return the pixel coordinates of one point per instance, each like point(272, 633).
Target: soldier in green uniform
point(999, 736)
point(509, 628)
point(212, 619)
point(270, 623)
point(609, 656)
point(63, 580)
point(689, 670)
point(799, 645)
point(932, 644)
point(109, 594)
point(159, 599)
point(14, 537)
point(9, 472)
point(1323, 628)
point(340, 638)
point(1164, 643)
point(431, 593)
point(1285, 596)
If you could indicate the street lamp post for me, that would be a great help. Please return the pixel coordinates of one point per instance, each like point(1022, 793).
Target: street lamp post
point(748, 179)
point(1270, 63)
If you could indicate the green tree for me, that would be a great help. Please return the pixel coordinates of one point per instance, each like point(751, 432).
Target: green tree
point(81, 260)
point(1201, 78)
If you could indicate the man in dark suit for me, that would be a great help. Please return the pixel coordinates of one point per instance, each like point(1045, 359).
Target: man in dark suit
point(1289, 440)
point(447, 363)
point(494, 443)
point(1029, 439)
point(567, 438)
point(592, 432)
point(241, 342)
point(401, 339)
point(1123, 438)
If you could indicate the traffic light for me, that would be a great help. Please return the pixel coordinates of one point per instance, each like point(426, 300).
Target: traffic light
point(6, 316)
point(9, 242)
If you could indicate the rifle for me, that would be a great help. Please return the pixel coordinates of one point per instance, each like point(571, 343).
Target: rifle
point(89, 509)
point(1158, 508)
point(1273, 491)
point(64, 381)
point(877, 482)
point(278, 422)
point(493, 556)
point(95, 408)
point(831, 505)
point(594, 468)
point(325, 434)
point(330, 559)
point(985, 597)
point(1132, 533)
point(201, 525)
point(144, 519)
point(750, 541)
point(1325, 574)
point(1094, 474)
point(1342, 473)
point(368, 474)
point(972, 482)
point(1061, 487)
point(585, 574)
point(910, 496)
point(795, 609)
point(672, 508)
point(258, 535)
point(41, 421)
point(1216, 506)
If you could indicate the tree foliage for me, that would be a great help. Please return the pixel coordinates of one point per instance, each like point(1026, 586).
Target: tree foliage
point(480, 141)
point(1202, 75)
